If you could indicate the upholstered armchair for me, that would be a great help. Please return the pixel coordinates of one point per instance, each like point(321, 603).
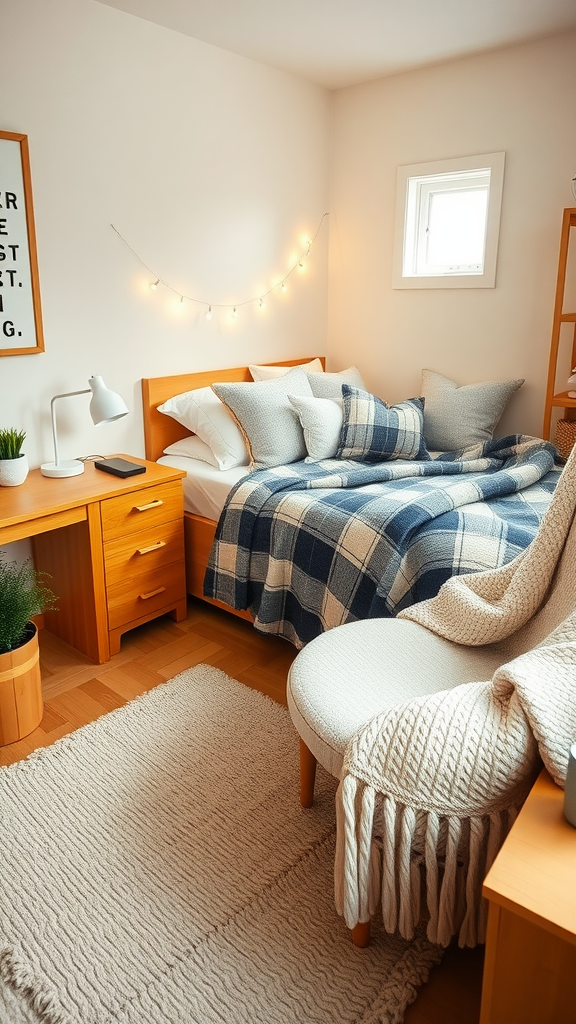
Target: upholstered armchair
point(436, 724)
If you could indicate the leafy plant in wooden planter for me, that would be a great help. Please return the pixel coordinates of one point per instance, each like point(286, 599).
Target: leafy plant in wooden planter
point(23, 593)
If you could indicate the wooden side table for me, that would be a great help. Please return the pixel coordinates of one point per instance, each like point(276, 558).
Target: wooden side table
point(530, 964)
point(114, 548)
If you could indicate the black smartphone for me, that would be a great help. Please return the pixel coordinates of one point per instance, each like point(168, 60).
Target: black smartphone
point(119, 467)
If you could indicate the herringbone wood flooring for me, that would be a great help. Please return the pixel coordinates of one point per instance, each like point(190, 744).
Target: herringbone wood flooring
point(76, 692)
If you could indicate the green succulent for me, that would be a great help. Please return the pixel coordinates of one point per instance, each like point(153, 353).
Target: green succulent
point(11, 442)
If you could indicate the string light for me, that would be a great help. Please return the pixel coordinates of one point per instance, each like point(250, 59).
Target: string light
point(233, 307)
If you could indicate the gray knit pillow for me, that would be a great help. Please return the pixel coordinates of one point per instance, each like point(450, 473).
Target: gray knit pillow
point(329, 385)
point(455, 417)
point(267, 419)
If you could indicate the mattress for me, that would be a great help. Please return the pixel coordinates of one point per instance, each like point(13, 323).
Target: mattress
point(205, 487)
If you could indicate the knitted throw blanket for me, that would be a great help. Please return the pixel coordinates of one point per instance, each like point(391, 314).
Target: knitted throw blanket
point(430, 788)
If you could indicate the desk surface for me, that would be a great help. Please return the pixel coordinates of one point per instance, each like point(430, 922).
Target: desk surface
point(41, 497)
point(534, 874)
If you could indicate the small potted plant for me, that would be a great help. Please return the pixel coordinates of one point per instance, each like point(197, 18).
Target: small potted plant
point(23, 593)
point(13, 461)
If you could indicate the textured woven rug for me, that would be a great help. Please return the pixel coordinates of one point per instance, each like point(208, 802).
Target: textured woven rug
point(156, 868)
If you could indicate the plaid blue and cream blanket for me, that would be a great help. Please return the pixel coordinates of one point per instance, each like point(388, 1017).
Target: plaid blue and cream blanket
point(310, 546)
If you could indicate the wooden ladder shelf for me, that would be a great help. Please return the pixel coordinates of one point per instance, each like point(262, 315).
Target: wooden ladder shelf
point(561, 399)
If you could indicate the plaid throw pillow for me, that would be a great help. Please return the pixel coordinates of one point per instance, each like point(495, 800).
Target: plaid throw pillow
point(375, 432)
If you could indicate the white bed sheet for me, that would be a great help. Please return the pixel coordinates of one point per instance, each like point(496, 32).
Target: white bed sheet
point(205, 487)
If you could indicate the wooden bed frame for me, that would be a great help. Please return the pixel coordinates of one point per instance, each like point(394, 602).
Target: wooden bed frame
point(161, 430)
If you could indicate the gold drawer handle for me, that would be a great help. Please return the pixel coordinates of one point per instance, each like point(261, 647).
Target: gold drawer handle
point(144, 597)
point(153, 547)
point(151, 504)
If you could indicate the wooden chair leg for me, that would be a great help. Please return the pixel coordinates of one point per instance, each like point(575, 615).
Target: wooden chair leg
point(307, 775)
point(361, 934)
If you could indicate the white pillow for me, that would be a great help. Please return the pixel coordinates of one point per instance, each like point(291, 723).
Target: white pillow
point(202, 412)
point(270, 372)
point(329, 385)
point(193, 447)
point(321, 420)
point(269, 421)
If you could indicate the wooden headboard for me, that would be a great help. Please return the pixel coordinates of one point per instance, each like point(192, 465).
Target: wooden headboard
point(161, 430)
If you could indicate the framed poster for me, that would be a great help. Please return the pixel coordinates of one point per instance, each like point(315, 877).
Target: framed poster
point(20, 310)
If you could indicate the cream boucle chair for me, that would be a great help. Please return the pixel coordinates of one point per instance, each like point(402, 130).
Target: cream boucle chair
point(392, 668)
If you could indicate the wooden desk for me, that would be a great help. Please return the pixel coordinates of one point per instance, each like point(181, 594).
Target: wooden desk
point(530, 965)
point(114, 548)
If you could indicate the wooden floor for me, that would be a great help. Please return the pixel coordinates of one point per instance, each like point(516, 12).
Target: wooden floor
point(76, 692)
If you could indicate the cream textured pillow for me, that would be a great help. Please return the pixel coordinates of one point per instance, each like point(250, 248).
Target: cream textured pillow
point(329, 385)
point(202, 412)
point(321, 421)
point(267, 418)
point(270, 372)
point(455, 417)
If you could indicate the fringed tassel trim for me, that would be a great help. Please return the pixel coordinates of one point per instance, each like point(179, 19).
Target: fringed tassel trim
point(456, 855)
point(405, 874)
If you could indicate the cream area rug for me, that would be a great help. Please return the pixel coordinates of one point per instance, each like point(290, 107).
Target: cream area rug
point(156, 868)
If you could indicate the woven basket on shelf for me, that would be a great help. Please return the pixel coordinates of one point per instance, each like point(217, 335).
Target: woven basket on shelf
point(565, 437)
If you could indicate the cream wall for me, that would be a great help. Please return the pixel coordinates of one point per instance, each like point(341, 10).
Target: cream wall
point(520, 100)
point(215, 170)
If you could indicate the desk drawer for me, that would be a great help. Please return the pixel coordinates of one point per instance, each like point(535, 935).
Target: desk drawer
point(132, 599)
point(139, 510)
point(145, 552)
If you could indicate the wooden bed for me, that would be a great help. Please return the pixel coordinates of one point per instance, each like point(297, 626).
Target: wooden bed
point(161, 430)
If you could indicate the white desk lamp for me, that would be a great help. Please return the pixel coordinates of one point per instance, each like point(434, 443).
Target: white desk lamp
point(105, 406)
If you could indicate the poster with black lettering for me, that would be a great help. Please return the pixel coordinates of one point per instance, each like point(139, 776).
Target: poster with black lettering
point(20, 311)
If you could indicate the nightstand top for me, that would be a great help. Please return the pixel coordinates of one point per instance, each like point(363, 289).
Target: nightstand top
point(41, 498)
point(534, 874)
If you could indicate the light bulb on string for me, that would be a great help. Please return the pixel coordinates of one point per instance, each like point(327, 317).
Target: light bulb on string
point(261, 305)
point(300, 264)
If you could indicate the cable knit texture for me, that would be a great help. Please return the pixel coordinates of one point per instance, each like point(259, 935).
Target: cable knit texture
point(430, 787)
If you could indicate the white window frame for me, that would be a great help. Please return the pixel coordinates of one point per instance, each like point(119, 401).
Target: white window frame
point(416, 183)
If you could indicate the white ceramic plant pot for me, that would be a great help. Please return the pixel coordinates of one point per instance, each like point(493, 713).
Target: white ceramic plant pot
point(13, 471)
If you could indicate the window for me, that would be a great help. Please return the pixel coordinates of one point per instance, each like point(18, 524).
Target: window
point(447, 221)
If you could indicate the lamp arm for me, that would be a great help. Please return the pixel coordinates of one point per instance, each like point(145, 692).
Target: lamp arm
point(67, 394)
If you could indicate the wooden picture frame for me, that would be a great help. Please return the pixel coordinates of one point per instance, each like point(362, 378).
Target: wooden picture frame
point(20, 310)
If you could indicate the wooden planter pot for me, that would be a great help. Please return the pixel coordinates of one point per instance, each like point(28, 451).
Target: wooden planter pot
point(21, 706)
